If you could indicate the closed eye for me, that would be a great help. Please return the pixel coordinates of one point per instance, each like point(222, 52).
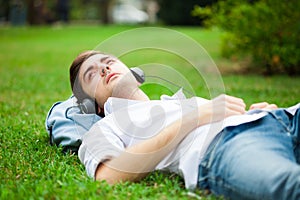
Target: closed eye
point(91, 75)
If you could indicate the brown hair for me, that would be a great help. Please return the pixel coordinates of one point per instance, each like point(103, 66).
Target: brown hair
point(74, 72)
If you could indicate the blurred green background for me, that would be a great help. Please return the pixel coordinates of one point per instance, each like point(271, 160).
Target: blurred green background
point(262, 34)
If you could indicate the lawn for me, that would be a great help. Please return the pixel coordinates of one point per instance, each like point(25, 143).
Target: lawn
point(34, 74)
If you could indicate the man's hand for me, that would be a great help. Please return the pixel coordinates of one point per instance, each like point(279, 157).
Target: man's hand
point(221, 107)
point(263, 105)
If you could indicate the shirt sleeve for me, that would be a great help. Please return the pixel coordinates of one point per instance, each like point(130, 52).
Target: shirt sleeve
point(99, 144)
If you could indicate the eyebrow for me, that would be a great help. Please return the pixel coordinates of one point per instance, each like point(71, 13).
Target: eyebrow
point(104, 58)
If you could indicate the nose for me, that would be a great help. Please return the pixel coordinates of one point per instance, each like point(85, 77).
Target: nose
point(104, 70)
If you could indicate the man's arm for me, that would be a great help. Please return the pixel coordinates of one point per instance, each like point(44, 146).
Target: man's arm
point(138, 160)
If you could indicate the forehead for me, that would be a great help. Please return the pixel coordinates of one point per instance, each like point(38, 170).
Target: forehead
point(98, 58)
point(94, 60)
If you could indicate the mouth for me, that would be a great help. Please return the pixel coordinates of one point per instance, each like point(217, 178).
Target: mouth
point(110, 76)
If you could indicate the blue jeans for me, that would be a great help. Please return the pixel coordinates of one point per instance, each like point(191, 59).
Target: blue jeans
point(256, 160)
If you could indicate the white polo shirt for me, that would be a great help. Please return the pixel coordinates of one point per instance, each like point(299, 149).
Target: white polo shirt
point(129, 122)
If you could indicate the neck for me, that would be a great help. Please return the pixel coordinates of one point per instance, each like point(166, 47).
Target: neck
point(133, 93)
point(138, 94)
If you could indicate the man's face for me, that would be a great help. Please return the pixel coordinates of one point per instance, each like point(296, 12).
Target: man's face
point(99, 76)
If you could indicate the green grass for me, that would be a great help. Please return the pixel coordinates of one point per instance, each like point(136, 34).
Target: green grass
point(34, 74)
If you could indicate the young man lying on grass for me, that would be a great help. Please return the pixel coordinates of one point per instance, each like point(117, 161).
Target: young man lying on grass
point(213, 144)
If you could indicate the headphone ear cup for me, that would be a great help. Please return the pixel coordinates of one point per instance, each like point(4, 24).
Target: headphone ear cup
point(88, 106)
point(138, 74)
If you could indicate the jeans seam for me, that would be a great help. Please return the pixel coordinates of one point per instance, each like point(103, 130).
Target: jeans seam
point(207, 161)
point(213, 149)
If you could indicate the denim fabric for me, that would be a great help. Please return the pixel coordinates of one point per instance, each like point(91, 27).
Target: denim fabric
point(256, 160)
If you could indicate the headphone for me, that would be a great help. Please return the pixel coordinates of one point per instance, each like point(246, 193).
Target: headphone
point(88, 106)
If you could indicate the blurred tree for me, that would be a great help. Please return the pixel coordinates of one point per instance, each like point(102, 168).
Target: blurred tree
point(93, 10)
point(17, 12)
point(267, 30)
point(48, 11)
point(39, 12)
point(178, 12)
point(104, 8)
point(4, 10)
point(63, 10)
